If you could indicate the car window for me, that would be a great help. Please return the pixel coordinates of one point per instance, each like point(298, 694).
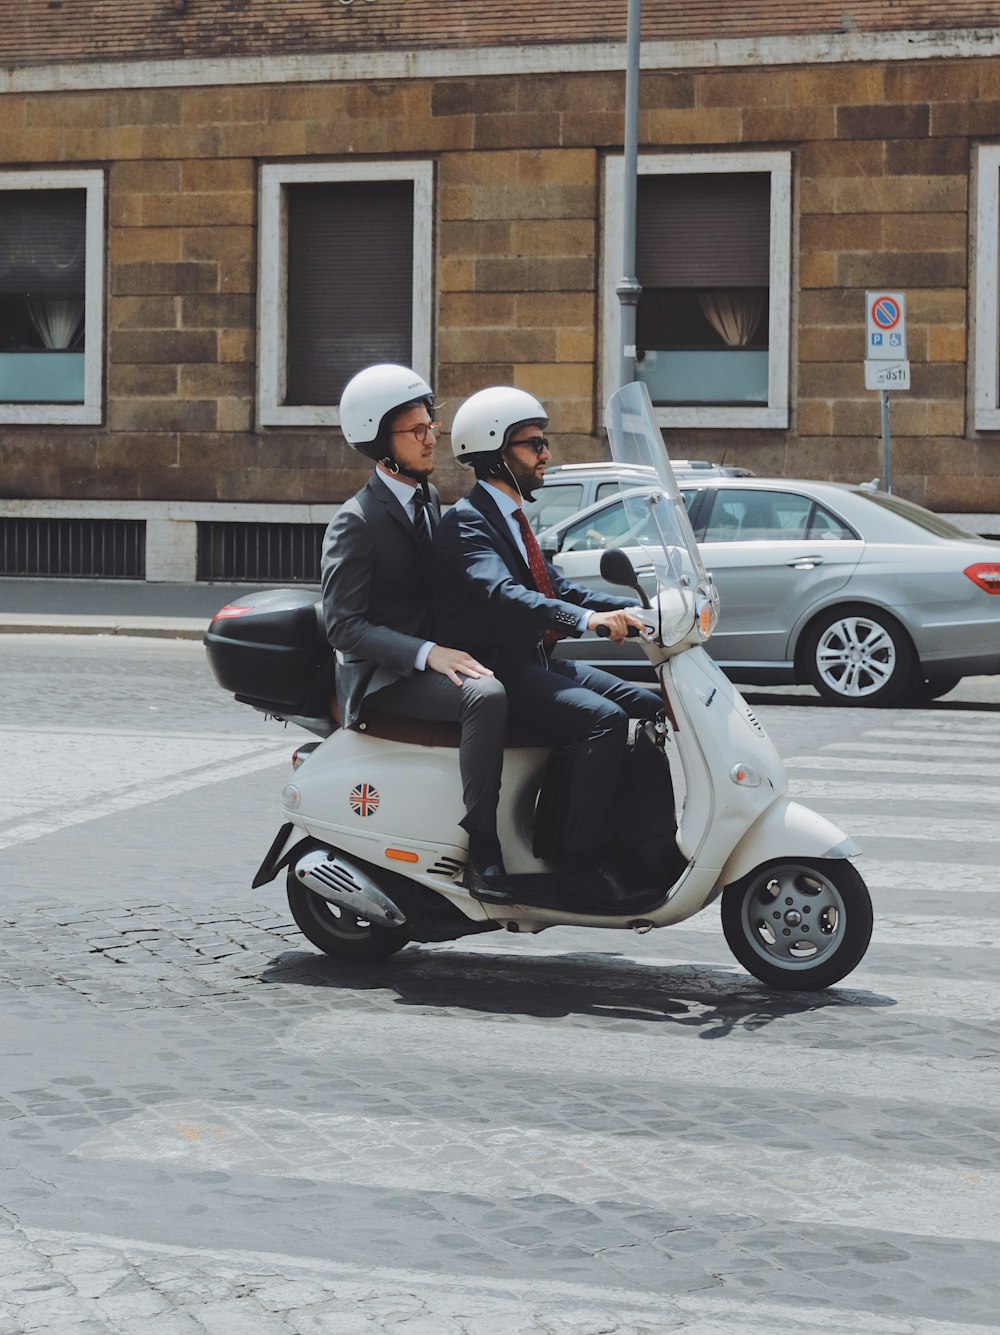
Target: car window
point(606, 489)
point(619, 524)
point(826, 526)
point(925, 519)
point(742, 515)
point(554, 503)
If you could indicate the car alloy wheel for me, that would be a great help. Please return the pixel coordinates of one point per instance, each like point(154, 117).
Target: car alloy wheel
point(859, 656)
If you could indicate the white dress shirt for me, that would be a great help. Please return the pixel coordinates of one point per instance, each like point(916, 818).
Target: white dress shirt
point(404, 492)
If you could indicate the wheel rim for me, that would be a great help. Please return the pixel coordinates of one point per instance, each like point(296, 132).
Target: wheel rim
point(856, 657)
point(794, 917)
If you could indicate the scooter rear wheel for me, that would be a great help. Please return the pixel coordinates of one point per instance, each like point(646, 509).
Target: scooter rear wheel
point(798, 923)
point(338, 932)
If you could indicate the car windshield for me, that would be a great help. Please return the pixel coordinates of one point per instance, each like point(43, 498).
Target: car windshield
point(916, 514)
point(656, 517)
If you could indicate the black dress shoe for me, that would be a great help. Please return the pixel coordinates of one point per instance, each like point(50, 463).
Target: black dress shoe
point(486, 875)
point(489, 884)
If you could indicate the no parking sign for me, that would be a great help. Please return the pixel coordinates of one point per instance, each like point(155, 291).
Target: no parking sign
point(885, 327)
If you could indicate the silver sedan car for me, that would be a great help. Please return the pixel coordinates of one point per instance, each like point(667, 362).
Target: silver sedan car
point(868, 597)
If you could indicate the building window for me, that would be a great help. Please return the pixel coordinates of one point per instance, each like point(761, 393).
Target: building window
point(987, 391)
point(345, 281)
point(51, 296)
point(712, 256)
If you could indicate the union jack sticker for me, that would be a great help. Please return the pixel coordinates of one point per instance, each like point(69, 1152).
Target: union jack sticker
point(364, 800)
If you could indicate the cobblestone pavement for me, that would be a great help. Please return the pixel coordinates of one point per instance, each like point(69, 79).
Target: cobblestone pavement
point(207, 1128)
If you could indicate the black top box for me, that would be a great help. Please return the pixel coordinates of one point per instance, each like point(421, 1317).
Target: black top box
point(270, 650)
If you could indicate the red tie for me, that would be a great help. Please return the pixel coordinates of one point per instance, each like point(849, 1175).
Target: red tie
point(539, 573)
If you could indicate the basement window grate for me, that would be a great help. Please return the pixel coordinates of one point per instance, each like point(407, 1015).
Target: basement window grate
point(73, 548)
point(258, 553)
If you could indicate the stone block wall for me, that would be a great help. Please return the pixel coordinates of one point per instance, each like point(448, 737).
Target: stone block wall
point(882, 157)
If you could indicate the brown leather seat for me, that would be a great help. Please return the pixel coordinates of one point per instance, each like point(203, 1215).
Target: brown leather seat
point(424, 732)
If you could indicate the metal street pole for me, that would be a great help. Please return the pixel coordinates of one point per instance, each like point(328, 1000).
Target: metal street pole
point(628, 289)
point(886, 451)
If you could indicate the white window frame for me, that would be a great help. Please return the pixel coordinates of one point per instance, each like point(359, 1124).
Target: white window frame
point(272, 304)
point(987, 289)
point(90, 412)
point(779, 165)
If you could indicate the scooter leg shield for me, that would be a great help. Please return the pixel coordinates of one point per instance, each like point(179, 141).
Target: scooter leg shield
point(786, 829)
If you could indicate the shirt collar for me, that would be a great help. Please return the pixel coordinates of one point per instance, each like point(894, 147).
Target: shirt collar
point(506, 504)
point(402, 491)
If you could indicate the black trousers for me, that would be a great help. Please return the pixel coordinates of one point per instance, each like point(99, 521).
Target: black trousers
point(570, 704)
point(480, 706)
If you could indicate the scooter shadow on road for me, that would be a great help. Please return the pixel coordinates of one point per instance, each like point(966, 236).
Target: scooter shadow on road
point(595, 985)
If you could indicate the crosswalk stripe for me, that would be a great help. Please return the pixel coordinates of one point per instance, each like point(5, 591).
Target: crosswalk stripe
point(177, 1270)
point(880, 825)
point(142, 794)
point(496, 1046)
point(884, 765)
point(942, 877)
point(917, 929)
point(969, 724)
point(507, 1161)
point(878, 791)
point(955, 751)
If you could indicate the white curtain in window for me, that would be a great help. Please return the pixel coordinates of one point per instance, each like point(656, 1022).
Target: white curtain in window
point(59, 323)
point(733, 315)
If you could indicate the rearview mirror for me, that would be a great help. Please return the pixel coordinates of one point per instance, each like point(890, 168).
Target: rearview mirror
point(616, 568)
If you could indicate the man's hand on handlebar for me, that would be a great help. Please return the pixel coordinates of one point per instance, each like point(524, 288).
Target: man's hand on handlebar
point(617, 626)
point(451, 662)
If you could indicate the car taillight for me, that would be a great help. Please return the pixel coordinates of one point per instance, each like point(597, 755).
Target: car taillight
point(986, 574)
point(231, 610)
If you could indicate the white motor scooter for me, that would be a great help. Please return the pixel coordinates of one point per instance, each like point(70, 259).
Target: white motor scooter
point(375, 855)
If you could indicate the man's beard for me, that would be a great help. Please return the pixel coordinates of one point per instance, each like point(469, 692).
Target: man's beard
point(525, 479)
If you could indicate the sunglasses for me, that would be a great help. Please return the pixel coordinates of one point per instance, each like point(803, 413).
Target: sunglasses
point(538, 443)
point(419, 432)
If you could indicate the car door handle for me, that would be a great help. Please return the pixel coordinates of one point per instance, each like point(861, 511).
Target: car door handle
point(806, 562)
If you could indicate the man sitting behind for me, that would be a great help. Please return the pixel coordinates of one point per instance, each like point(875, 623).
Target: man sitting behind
point(498, 598)
point(376, 577)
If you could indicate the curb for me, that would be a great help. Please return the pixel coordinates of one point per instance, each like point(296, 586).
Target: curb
point(167, 628)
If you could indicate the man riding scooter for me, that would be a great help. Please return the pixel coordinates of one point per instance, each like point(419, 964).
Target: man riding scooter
point(496, 597)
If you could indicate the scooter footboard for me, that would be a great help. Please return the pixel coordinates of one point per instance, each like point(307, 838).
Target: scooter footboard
point(786, 829)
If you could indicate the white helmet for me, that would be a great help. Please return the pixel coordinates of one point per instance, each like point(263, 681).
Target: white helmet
point(373, 393)
point(484, 422)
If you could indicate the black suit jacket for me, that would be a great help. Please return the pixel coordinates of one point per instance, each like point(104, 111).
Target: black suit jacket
point(485, 600)
point(376, 594)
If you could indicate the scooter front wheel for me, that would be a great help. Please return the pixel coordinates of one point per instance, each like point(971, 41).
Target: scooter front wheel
point(798, 923)
point(338, 932)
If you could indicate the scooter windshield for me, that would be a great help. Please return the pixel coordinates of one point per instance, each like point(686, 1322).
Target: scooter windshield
point(655, 522)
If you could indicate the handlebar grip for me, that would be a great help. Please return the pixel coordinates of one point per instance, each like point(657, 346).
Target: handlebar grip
point(604, 632)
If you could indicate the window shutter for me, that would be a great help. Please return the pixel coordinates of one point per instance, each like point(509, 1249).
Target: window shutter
point(43, 242)
point(704, 230)
point(350, 283)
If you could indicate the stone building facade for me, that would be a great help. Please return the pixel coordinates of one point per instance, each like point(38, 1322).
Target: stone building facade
point(193, 136)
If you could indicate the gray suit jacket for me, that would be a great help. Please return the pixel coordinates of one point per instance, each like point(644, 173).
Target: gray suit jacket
point(376, 594)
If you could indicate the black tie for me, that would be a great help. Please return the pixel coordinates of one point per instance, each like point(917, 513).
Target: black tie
point(422, 521)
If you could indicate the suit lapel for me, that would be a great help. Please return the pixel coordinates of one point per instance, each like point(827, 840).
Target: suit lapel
point(481, 499)
point(381, 493)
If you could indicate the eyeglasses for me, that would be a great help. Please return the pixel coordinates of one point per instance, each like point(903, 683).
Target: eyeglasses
point(418, 432)
point(538, 443)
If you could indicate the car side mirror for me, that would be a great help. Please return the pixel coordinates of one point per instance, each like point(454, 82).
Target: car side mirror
point(616, 568)
point(549, 548)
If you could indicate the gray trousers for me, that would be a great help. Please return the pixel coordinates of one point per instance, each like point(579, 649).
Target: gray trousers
point(480, 706)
